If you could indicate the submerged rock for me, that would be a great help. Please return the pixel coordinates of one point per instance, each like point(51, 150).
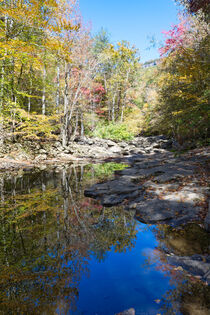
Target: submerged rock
point(196, 265)
point(131, 311)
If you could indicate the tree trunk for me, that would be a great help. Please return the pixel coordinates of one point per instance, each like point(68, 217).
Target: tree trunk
point(76, 123)
point(113, 107)
point(82, 125)
point(66, 107)
point(30, 91)
point(1, 106)
point(58, 88)
point(119, 103)
point(44, 91)
point(125, 94)
point(2, 84)
point(13, 80)
point(2, 190)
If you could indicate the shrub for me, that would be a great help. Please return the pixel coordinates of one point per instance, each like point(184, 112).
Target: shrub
point(113, 131)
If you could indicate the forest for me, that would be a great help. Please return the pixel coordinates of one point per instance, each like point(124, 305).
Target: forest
point(104, 163)
point(58, 81)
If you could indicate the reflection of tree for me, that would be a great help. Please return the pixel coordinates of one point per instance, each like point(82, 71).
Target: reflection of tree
point(48, 231)
point(190, 295)
point(188, 298)
point(190, 239)
point(115, 230)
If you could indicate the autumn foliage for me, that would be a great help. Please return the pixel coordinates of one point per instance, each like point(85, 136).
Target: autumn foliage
point(182, 109)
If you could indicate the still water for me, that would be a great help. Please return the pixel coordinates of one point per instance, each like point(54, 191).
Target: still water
point(63, 253)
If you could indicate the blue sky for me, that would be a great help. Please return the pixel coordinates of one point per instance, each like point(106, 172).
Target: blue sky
point(133, 20)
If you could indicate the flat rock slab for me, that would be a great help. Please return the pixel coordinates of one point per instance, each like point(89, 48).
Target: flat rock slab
point(114, 186)
point(162, 211)
point(113, 192)
point(160, 188)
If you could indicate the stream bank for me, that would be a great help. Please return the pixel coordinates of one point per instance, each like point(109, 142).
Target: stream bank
point(81, 150)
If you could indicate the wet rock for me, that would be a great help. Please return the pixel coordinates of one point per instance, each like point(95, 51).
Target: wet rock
point(207, 219)
point(120, 190)
point(196, 265)
point(120, 187)
point(112, 200)
point(153, 211)
point(184, 219)
point(131, 311)
point(159, 187)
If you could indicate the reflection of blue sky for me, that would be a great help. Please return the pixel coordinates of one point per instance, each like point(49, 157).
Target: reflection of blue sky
point(122, 281)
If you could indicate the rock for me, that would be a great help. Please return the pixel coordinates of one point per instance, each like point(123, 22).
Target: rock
point(154, 189)
point(153, 211)
point(115, 149)
point(131, 311)
point(196, 265)
point(110, 143)
point(123, 144)
point(42, 151)
point(120, 190)
point(90, 141)
point(40, 157)
point(42, 167)
point(115, 186)
point(56, 144)
point(96, 148)
point(125, 153)
point(67, 151)
point(184, 219)
point(207, 219)
point(112, 200)
point(64, 156)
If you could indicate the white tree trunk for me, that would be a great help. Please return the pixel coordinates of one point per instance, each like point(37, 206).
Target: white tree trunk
point(44, 91)
point(66, 107)
point(1, 106)
point(58, 88)
point(113, 107)
point(82, 131)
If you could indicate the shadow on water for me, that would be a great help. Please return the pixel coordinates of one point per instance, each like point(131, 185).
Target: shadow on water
point(63, 253)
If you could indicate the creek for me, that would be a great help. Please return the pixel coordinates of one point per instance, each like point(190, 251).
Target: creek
point(64, 253)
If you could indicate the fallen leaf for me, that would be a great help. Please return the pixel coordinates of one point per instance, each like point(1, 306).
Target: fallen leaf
point(178, 268)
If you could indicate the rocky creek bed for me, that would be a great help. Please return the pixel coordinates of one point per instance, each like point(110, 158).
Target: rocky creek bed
point(30, 153)
point(158, 186)
point(161, 188)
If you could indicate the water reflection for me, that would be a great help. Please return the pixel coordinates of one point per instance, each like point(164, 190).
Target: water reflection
point(183, 255)
point(48, 232)
point(62, 253)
